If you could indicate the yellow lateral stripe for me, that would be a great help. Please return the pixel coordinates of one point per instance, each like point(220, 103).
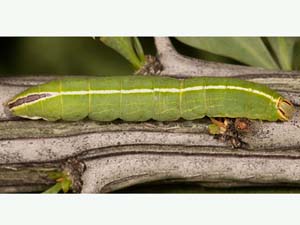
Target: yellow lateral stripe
point(142, 91)
point(180, 97)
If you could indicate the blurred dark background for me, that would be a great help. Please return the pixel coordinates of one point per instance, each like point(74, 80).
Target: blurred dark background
point(63, 56)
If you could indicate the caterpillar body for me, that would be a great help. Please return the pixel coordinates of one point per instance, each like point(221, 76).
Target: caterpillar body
point(140, 98)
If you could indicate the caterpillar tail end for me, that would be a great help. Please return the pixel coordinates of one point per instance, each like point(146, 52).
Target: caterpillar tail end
point(285, 109)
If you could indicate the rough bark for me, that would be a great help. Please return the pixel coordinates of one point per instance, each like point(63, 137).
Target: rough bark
point(24, 178)
point(120, 154)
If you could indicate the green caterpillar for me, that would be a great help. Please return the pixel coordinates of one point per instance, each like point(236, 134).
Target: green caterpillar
point(140, 98)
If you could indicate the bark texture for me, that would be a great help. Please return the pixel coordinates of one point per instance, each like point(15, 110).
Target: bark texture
point(119, 154)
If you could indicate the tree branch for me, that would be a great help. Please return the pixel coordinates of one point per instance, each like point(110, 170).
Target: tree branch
point(121, 154)
point(17, 178)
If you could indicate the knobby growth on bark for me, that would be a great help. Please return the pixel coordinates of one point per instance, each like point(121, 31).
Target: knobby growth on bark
point(104, 157)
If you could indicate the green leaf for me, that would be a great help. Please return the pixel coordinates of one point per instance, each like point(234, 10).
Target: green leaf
point(54, 189)
point(128, 47)
point(283, 48)
point(296, 57)
point(63, 182)
point(66, 185)
point(55, 174)
point(139, 49)
point(213, 129)
point(248, 50)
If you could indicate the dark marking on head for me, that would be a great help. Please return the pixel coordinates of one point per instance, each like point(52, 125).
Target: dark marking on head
point(27, 99)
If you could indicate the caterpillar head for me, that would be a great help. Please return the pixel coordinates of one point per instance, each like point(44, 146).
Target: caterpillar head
point(285, 109)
